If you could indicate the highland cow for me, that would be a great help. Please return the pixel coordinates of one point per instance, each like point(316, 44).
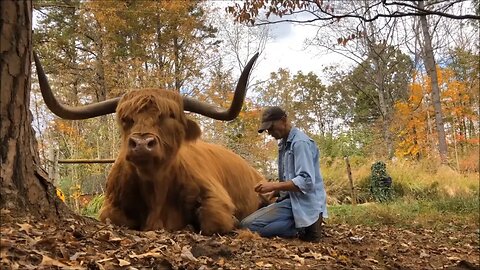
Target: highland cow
point(165, 176)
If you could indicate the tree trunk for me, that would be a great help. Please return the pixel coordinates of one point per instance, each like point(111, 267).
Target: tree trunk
point(176, 61)
point(430, 65)
point(24, 185)
point(378, 50)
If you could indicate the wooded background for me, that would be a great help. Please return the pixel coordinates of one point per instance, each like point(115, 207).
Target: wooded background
point(413, 92)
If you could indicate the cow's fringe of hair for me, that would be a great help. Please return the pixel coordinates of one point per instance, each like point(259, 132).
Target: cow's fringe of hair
point(132, 103)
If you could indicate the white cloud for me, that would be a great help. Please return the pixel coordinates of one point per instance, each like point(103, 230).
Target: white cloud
point(289, 51)
point(286, 48)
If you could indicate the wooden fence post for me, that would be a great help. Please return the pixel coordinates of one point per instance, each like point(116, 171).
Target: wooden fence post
point(53, 172)
point(350, 178)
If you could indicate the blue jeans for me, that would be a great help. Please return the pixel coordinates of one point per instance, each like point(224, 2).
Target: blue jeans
point(273, 220)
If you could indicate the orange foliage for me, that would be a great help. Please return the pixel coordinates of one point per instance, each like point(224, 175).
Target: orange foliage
point(74, 137)
point(64, 127)
point(414, 119)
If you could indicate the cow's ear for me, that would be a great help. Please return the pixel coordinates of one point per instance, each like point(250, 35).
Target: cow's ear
point(193, 131)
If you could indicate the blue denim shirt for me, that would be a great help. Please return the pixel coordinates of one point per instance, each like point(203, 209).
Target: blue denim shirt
point(298, 160)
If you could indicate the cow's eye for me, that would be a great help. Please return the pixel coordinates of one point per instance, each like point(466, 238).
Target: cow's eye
point(172, 115)
point(127, 122)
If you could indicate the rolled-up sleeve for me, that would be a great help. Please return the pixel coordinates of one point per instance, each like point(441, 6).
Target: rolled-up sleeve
point(304, 169)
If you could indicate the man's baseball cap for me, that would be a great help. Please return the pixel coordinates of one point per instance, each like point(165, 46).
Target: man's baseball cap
point(270, 114)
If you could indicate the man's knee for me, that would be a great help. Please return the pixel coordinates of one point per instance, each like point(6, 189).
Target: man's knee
point(244, 224)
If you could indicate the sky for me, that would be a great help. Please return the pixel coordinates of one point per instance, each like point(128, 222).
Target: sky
point(286, 48)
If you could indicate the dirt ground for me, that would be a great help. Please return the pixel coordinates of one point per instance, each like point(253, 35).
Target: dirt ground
point(86, 244)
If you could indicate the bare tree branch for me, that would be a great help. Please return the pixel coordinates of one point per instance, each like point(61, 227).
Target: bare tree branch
point(393, 9)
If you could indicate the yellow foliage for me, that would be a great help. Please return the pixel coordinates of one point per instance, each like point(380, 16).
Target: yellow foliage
point(76, 191)
point(60, 195)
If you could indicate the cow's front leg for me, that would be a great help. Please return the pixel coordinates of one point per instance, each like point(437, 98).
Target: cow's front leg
point(154, 221)
point(216, 212)
point(118, 217)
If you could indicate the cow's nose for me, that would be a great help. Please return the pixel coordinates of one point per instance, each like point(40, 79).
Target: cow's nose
point(142, 143)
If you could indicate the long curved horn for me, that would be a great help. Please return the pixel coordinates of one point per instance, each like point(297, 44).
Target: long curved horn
point(109, 106)
point(69, 112)
point(218, 113)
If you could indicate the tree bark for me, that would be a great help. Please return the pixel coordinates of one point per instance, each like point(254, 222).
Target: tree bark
point(24, 185)
point(430, 65)
point(378, 50)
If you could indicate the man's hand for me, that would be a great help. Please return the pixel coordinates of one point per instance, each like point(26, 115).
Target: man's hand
point(272, 196)
point(265, 187)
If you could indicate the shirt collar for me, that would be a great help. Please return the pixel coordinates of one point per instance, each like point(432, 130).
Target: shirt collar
point(291, 135)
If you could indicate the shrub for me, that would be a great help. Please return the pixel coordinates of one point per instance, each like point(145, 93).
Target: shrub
point(380, 182)
point(93, 207)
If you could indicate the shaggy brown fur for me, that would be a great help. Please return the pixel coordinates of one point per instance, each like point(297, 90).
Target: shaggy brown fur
point(183, 181)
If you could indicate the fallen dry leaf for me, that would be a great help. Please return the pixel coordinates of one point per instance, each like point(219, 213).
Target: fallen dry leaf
point(75, 256)
point(187, 254)
point(25, 227)
point(151, 234)
point(153, 253)
point(123, 262)
point(298, 259)
point(259, 264)
point(47, 261)
point(115, 239)
point(311, 254)
point(423, 254)
point(371, 260)
point(105, 260)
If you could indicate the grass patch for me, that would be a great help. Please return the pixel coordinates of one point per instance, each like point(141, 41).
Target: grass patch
point(457, 205)
point(411, 180)
point(93, 207)
point(410, 213)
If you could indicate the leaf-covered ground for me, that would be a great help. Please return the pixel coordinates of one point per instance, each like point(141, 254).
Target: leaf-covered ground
point(86, 244)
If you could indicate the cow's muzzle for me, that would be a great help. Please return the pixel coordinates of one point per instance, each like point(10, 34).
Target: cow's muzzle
point(141, 146)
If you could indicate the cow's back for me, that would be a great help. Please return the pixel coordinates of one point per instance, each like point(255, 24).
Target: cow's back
point(235, 174)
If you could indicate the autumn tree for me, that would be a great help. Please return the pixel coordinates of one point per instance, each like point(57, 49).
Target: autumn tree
point(313, 104)
point(372, 97)
point(124, 44)
point(459, 106)
point(466, 71)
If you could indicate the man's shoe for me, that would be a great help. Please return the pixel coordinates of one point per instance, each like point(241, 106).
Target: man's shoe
point(313, 232)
